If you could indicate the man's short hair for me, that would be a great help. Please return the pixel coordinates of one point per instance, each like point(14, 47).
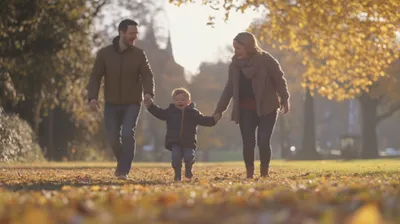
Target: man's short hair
point(123, 25)
point(181, 90)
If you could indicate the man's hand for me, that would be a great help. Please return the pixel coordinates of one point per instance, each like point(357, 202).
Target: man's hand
point(285, 107)
point(94, 105)
point(217, 117)
point(148, 99)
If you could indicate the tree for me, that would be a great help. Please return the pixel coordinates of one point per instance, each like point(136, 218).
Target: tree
point(45, 52)
point(346, 46)
point(382, 102)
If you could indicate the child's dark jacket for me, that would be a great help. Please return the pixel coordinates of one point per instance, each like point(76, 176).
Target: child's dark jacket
point(181, 124)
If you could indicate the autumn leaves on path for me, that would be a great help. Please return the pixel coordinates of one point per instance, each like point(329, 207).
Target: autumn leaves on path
point(316, 192)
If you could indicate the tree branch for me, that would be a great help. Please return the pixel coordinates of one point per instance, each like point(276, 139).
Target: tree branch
point(99, 6)
point(389, 113)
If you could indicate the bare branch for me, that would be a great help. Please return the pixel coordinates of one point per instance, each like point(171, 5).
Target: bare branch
point(99, 6)
point(389, 113)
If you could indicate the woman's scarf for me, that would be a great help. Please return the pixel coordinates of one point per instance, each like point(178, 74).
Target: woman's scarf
point(249, 66)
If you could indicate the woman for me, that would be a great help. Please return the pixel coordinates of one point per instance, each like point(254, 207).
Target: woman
point(258, 88)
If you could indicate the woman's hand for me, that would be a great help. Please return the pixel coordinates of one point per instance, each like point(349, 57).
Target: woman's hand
point(285, 107)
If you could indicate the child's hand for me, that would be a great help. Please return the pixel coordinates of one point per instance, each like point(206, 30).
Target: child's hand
point(217, 117)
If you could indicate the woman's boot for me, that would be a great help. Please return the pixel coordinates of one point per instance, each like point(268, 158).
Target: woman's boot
point(249, 172)
point(264, 171)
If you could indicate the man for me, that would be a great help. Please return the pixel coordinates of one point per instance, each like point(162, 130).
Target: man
point(127, 76)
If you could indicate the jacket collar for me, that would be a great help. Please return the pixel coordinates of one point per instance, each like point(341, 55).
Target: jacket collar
point(191, 106)
point(116, 45)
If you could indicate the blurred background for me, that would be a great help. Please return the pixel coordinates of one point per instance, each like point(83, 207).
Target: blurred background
point(47, 52)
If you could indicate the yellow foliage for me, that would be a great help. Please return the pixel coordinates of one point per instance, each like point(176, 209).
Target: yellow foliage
point(368, 213)
point(349, 43)
point(296, 192)
point(35, 215)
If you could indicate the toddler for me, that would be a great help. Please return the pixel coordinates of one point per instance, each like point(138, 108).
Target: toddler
point(182, 119)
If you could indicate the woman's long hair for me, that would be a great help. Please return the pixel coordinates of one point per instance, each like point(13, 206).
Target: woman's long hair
point(250, 43)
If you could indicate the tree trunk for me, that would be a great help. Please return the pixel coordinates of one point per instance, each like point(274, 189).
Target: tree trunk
point(37, 117)
point(56, 132)
point(50, 143)
point(308, 150)
point(369, 116)
point(64, 130)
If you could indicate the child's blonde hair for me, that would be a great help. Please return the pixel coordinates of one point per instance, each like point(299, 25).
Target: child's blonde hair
point(181, 90)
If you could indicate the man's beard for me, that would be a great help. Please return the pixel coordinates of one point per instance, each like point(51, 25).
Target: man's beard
point(128, 42)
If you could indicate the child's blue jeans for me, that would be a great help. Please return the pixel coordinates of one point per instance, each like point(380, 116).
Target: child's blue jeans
point(188, 155)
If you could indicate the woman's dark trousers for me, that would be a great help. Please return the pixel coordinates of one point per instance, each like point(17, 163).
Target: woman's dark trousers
point(249, 121)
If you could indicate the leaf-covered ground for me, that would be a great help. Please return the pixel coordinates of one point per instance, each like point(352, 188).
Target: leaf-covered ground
point(296, 192)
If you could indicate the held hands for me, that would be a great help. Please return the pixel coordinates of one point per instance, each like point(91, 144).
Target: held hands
point(217, 117)
point(148, 100)
point(94, 105)
point(148, 103)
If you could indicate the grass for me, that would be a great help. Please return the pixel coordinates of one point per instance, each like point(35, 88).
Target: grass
point(296, 192)
point(363, 165)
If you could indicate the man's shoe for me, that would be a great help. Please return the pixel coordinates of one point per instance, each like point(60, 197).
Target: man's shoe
point(188, 173)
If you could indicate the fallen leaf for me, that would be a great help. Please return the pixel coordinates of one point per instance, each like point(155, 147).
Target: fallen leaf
point(368, 213)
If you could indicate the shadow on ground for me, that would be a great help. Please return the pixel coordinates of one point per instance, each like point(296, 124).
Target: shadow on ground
point(58, 186)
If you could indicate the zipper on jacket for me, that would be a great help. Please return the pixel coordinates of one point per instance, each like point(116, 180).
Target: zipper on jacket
point(120, 77)
point(183, 115)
